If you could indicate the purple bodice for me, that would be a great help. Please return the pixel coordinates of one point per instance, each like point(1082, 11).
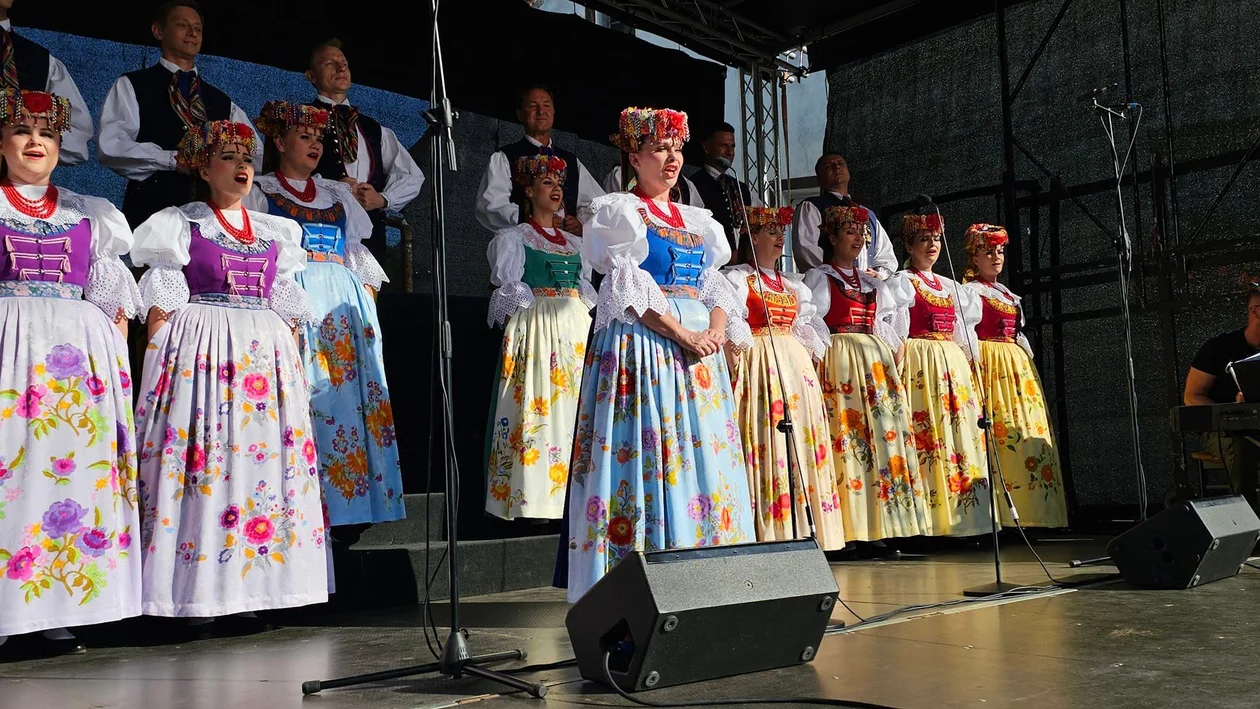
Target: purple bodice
point(216, 270)
point(61, 257)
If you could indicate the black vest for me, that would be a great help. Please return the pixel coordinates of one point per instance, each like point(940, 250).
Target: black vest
point(330, 166)
point(523, 148)
point(161, 125)
point(32, 63)
point(827, 199)
point(716, 201)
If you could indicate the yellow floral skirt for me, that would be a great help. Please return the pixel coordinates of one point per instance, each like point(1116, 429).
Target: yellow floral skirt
point(535, 406)
point(944, 416)
point(1026, 454)
point(881, 491)
point(759, 402)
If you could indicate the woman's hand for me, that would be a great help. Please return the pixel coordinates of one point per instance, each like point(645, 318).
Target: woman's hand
point(718, 337)
point(697, 342)
point(157, 318)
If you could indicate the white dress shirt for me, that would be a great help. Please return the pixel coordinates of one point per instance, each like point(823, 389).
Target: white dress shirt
point(74, 143)
point(404, 176)
point(612, 183)
point(754, 199)
point(117, 148)
point(808, 253)
point(496, 210)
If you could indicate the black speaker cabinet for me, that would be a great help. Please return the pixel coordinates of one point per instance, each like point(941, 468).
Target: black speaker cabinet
point(1188, 544)
point(667, 618)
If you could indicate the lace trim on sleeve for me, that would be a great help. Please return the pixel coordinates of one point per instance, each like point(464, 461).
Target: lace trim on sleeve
point(508, 300)
point(963, 337)
point(588, 294)
point(717, 292)
point(627, 293)
point(1024, 343)
point(888, 333)
point(111, 287)
point(164, 288)
point(806, 331)
point(364, 265)
point(290, 302)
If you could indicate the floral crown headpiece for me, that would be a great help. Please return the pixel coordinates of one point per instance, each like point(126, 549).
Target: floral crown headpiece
point(914, 225)
point(762, 217)
point(641, 125)
point(195, 148)
point(985, 236)
point(837, 218)
point(531, 167)
point(15, 105)
point(278, 116)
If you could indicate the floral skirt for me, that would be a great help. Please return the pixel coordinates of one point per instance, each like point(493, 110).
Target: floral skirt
point(68, 508)
point(759, 409)
point(882, 491)
point(232, 517)
point(535, 406)
point(944, 416)
point(1027, 457)
point(657, 462)
point(350, 407)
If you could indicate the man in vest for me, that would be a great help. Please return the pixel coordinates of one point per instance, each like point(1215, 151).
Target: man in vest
point(27, 65)
point(499, 195)
point(148, 112)
point(723, 194)
point(357, 149)
point(876, 259)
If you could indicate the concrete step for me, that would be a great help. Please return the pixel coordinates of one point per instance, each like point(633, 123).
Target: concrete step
point(378, 575)
point(412, 529)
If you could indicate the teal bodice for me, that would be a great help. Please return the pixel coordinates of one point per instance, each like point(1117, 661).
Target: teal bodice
point(547, 270)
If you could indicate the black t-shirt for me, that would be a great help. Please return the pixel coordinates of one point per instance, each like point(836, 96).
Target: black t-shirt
point(1214, 355)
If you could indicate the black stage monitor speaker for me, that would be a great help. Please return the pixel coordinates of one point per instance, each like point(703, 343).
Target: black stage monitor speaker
point(673, 617)
point(1188, 544)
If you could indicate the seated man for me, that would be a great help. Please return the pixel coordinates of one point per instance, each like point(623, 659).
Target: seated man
point(1207, 382)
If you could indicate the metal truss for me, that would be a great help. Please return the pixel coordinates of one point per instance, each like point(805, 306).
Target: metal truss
point(759, 132)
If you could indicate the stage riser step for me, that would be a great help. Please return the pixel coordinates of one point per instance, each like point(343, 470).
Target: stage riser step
point(379, 576)
point(410, 530)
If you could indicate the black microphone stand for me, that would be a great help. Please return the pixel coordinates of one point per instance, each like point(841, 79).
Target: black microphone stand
point(456, 660)
point(1107, 115)
point(998, 585)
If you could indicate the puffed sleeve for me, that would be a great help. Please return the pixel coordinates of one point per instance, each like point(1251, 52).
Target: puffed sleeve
point(808, 328)
point(588, 294)
point(892, 309)
point(716, 291)
point(359, 260)
point(506, 254)
point(110, 285)
point(161, 243)
point(288, 299)
point(614, 242)
point(967, 313)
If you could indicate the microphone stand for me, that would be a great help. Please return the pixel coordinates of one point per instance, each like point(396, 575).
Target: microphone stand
point(456, 661)
point(1107, 116)
point(785, 425)
point(998, 585)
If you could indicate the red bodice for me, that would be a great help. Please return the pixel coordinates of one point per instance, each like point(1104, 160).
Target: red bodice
point(781, 302)
point(999, 318)
point(932, 315)
point(851, 310)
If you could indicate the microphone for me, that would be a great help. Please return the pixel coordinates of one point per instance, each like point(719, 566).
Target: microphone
point(723, 164)
point(1095, 93)
point(922, 200)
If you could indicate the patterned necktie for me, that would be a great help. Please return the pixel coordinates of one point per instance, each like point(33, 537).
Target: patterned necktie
point(346, 128)
point(10, 61)
point(734, 198)
point(185, 94)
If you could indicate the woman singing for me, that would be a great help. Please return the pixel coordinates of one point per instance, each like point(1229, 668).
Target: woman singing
point(881, 488)
point(544, 294)
point(944, 411)
point(787, 338)
point(657, 461)
point(232, 510)
point(354, 422)
point(1026, 455)
point(68, 510)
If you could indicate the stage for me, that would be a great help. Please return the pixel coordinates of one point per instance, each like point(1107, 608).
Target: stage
point(1105, 645)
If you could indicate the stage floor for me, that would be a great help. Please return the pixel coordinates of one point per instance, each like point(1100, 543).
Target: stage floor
point(1106, 645)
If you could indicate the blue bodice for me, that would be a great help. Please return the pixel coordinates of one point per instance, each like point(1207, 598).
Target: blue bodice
point(675, 257)
point(323, 230)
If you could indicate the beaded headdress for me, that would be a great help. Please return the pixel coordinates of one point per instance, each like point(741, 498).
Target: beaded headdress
point(762, 217)
point(916, 225)
point(15, 105)
point(278, 116)
point(640, 125)
point(836, 219)
point(195, 148)
point(531, 167)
